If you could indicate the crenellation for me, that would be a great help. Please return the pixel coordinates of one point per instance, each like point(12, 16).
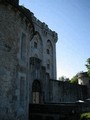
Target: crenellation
point(37, 21)
point(26, 11)
point(55, 35)
point(44, 27)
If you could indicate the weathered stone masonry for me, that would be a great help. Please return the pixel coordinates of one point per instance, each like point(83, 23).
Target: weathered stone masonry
point(28, 64)
point(14, 68)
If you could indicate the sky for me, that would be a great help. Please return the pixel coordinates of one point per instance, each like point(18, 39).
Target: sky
point(70, 19)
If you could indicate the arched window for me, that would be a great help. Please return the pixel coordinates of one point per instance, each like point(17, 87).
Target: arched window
point(36, 46)
point(48, 64)
point(49, 47)
point(23, 46)
point(37, 41)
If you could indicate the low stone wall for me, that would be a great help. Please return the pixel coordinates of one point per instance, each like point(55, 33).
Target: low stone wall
point(66, 92)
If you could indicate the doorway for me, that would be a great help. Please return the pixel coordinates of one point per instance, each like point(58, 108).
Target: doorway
point(36, 92)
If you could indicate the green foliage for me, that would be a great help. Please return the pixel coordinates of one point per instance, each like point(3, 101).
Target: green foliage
point(88, 66)
point(85, 116)
point(61, 78)
point(74, 80)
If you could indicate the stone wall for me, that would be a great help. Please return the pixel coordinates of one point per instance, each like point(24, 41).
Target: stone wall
point(66, 92)
point(17, 38)
point(28, 53)
point(13, 68)
point(46, 41)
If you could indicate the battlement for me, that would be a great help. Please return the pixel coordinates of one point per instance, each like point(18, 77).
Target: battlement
point(30, 15)
point(45, 27)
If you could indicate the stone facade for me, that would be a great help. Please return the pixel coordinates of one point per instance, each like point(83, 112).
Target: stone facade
point(28, 64)
point(27, 60)
point(15, 29)
point(64, 92)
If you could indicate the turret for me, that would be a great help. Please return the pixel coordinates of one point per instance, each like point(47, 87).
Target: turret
point(83, 78)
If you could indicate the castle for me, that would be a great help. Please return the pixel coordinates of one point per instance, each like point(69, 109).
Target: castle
point(28, 64)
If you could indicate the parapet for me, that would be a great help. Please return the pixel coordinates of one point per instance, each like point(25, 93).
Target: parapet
point(32, 18)
point(55, 35)
point(45, 27)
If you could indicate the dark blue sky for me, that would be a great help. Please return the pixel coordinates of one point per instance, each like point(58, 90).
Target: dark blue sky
point(71, 20)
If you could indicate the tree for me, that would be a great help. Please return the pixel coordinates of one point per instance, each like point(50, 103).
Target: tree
point(74, 79)
point(88, 66)
point(62, 78)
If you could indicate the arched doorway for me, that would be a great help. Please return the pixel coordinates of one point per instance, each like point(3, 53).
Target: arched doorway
point(36, 92)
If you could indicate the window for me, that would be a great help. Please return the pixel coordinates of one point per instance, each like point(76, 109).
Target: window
point(49, 47)
point(23, 46)
point(48, 51)
point(22, 91)
point(35, 44)
point(48, 66)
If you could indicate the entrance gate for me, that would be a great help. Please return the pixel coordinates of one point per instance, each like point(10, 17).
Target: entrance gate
point(36, 92)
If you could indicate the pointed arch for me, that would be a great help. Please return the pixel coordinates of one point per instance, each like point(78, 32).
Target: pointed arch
point(37, 34)
point(49, 47)
point(36, 92)
point(36, 45)
point(38, 40)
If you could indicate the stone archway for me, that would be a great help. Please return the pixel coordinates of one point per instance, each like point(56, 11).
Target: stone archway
point(36, 92)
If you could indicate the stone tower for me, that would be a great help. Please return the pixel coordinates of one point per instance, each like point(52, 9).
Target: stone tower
point(27, 60)
point(84, 79)
point(16, 31)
